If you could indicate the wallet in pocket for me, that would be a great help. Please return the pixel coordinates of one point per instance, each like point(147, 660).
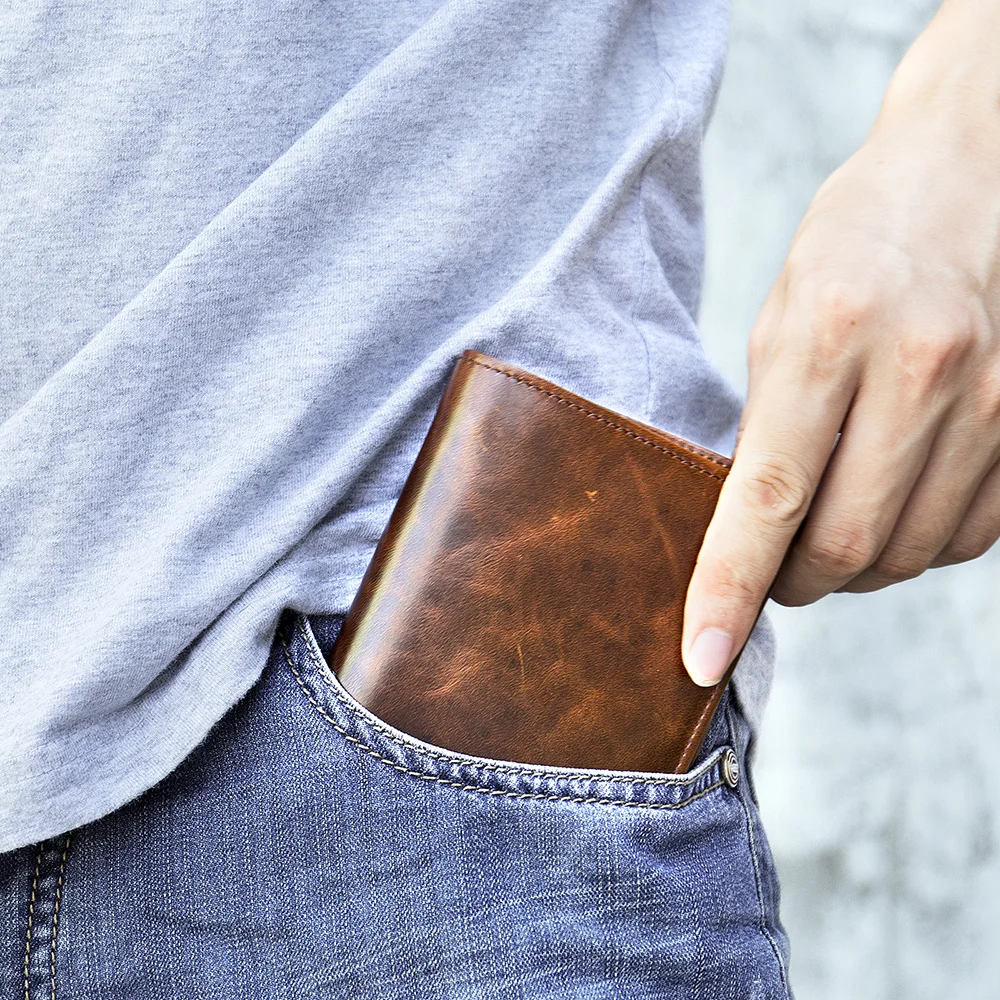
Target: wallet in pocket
point(525, 600)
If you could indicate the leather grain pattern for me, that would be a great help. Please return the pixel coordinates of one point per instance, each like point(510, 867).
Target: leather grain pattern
point(525, 600)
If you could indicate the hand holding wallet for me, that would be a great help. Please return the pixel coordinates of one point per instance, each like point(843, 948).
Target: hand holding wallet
point(525, 601)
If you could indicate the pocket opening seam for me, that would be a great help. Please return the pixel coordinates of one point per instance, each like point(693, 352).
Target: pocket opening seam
point(455, 757)
point(458, 759)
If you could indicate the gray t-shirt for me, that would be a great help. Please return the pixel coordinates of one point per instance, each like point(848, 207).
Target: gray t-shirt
point(242, 247)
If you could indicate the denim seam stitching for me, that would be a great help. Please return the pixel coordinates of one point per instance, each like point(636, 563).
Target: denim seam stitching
point(752, 844)
point(31, 916)
point(55, 914)
point(477, 788)
point(601, 419)
point(457, 758)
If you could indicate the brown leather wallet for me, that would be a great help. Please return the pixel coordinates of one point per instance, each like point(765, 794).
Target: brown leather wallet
point(525, 600)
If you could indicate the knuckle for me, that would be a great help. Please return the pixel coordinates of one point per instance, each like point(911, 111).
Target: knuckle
point(777, 492)
point(838, 310)
point(967, 545)
point(841, 304)
point(735, 587)
point(843, 551)
point(933, 354)
point(903, 560)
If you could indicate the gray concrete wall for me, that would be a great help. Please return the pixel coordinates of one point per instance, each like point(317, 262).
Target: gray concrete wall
point(879, 759)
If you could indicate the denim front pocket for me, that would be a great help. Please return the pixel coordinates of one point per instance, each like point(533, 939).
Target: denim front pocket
point(508, 779)
point(525, 880)
point(306, 849)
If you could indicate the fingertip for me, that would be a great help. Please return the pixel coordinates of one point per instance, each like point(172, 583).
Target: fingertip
point(707, 658)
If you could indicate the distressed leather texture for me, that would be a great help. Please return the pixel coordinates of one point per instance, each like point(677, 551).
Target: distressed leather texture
point(525, 600)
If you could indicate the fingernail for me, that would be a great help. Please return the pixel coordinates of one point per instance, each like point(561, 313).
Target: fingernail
point(709, 656)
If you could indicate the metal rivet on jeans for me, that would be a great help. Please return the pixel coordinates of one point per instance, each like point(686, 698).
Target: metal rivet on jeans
point(731, 767)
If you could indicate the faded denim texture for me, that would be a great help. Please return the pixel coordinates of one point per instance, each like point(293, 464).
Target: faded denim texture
point(308, 850)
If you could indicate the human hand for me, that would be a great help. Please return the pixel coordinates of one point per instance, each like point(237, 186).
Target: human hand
point(869, 444)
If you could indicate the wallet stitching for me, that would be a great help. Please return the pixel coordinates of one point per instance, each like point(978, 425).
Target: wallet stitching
point(598, 417)
point(697, 729)
point(501, 793)
point(458, 758)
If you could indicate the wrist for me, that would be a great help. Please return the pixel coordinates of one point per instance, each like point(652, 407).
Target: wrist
point(950, 76)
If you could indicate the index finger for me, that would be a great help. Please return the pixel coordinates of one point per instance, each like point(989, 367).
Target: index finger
point(790, 424)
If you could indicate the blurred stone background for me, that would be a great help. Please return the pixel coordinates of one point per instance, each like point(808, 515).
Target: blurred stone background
point(878, 764)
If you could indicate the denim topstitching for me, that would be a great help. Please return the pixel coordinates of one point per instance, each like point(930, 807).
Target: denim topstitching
point(712, 763)
point(36, 900)
point(755, 861)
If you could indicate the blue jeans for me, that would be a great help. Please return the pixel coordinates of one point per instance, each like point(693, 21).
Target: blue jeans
point(306, 849)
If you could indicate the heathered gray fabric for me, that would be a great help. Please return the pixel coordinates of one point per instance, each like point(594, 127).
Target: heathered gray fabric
point(242, 246)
